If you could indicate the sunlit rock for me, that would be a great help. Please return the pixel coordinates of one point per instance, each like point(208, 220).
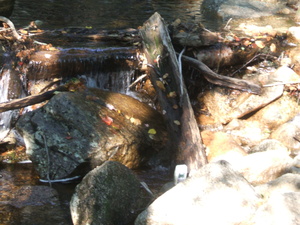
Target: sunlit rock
point(262, 167)
point(294, 54)
point(268, 144)
point(226, 105)
point(281, 208)
point(221, 145)
point(109, 194)
point(294, 34)
point(277, 113)
point(248, 133)
point(288, 134)
point(286, 183)
point(216, 194)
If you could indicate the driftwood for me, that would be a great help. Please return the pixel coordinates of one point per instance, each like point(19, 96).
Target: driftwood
point(29, 100)
point(217, 79)
point(172, 94)
point(11, 26)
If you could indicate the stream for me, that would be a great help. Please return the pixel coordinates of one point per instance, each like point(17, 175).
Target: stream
point(54, 14)
point(24, 198)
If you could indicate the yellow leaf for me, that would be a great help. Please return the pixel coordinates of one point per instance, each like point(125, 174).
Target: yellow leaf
point(172, 94)
point(165, 76)
point(151, 131)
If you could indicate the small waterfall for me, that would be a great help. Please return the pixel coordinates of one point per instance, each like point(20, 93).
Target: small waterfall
point(110, 69)
point(5, 117)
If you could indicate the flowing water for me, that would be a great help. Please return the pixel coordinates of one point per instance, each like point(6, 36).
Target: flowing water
point(105, 14)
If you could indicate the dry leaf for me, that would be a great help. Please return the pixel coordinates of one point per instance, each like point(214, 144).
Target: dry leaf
point(273, 47)
point(172, 94)
point(177, 122)
point(135, 121)
point(165, 76)
point(260, 44)
point(160, 85)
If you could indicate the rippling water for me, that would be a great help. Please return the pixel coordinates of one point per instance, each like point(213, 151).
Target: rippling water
point(105, 14)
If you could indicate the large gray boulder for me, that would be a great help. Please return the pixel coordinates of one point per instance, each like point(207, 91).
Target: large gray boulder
point(216, 194)
point(92, 127)
point(109, 194)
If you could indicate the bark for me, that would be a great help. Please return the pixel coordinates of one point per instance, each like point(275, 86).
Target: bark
point(172, 94)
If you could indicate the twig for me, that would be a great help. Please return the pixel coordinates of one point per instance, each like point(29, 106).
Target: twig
point(180, 72)
point(281, 83)
point(225, 28)
point(60, 180)
point(247, 63)
point(137, 80)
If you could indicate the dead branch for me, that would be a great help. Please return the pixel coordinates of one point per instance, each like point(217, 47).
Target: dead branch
point(12, 27)
point(30, 100)
point(217, 79)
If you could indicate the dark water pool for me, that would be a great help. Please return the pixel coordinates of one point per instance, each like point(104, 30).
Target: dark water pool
point(103, 14)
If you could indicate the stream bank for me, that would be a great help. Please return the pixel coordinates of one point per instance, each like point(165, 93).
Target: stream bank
point(243, 128)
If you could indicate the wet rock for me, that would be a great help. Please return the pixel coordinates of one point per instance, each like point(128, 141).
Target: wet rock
point(221, 144)
point(281, 208)
point(287, 134)
point(91, 127)
point(262, 167)
point(204, 198)
point(109, 194)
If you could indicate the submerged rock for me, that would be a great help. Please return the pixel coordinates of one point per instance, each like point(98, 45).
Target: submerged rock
point(226, 9)
point(109, 194)
point(93, 126)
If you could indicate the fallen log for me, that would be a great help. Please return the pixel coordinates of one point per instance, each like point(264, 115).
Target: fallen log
point(166, 78)
point(217, 79)
point(30, 100)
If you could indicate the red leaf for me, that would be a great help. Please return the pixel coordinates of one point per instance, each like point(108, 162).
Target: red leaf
point(107, 120)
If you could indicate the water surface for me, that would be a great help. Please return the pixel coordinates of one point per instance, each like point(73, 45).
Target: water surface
point(105, 14)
